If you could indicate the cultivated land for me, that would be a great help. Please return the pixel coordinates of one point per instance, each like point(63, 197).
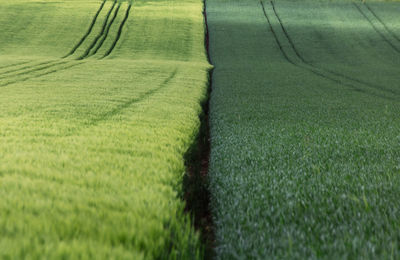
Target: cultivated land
point(305, 129)
point(99, 102)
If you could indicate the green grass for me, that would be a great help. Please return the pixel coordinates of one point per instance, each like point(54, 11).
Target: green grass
point(305, 154)
point(91, 154)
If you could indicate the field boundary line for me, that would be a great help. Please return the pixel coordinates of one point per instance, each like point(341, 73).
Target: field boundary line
point(119, 33)
point(382, 22)
point(41, 75)
point(375, 28)
point(88, 31)
point(104, 37)
point(338, 74)
point(87, 52)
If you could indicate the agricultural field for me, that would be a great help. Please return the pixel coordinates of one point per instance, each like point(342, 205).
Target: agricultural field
point(109, 150)
point(305, 129)
point(99, 103)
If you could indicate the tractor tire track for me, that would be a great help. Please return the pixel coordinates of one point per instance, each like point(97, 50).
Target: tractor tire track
point(87, 52)
point(382, 22)
point(287, 34)
point(26, 70)
point(335, 73)
point(38, 67)
point(376, 29)
point(13, 65)
point(119, 31)
point(25, 67)
point(34, 70)
point(8, 75)
point(312, 70)
point(88, 31)
point(285, 54)
point(275, 35)
point(40, 75)
point(125, 105)
point(106, 31)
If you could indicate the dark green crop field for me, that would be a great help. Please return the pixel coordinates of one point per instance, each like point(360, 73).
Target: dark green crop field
point(305, 129)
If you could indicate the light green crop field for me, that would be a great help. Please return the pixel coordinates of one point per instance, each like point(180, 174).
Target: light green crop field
point(99, 102)
point(305, 129)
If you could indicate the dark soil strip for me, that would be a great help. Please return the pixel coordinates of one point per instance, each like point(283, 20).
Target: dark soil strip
point(312, 69)
point(88, 31)
point(119, 31)
point(15, 64)
point(40, 75)
point(382, 22)
point(107, 31)
point(196, 192)
point(100, 34)
point(368, 84)
point(376, 29)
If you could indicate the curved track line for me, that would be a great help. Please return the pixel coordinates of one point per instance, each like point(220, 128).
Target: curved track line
point(40, 75)
point(287, 35)
point(88, 31)
point(275, 35)
point(367, 84)
point(52, 63)
point(100, 34)
point(132, 101)
point(34, 70)
point(285, 54)
point(35, 67)
point(106, 31)
point(311, 70)
point(376, 29)
point(382, 22)
point(119, 31)
point(13, 65)
point(26, 67)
